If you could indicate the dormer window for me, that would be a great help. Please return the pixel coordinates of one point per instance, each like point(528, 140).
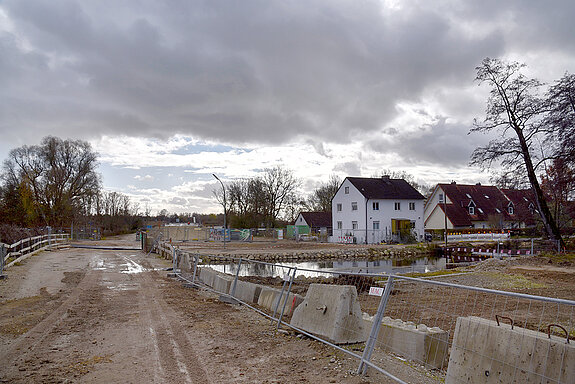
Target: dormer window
point(510, 209)
point(531, 208)
point(471, 207)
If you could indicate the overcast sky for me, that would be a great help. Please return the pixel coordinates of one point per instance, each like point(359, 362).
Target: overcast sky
point(169, 92)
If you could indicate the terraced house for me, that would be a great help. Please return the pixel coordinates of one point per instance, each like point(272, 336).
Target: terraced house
point(374, 210)
point(461, 206)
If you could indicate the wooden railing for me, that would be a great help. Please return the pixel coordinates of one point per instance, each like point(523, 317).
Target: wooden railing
point(30, 245)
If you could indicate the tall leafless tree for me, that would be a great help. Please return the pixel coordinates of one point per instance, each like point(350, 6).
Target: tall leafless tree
point(515, 111)
point(59, 174)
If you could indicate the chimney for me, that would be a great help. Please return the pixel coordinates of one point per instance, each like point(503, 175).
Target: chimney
point(385, 177)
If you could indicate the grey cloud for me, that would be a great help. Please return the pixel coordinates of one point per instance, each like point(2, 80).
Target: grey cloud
point(441, 144)
point(249, 71)
point(252, 71)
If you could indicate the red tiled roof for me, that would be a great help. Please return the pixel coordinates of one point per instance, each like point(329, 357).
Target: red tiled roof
point(522, 200)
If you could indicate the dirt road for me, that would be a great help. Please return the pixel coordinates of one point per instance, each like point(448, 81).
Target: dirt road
point(102, 316)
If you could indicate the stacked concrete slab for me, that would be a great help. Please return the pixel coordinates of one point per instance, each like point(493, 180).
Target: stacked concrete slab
point(331, 312)
point(420, 343)
point(483, 352)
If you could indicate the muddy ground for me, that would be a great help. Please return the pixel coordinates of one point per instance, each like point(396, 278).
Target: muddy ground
point(103, 316)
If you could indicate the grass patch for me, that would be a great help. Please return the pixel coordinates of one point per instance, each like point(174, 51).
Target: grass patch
point(560, 258)
point(430, 274)
point(511, 281)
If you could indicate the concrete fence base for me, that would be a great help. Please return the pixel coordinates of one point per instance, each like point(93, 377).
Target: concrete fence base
point(484, 352)
point(428, 346)
point(331, 312)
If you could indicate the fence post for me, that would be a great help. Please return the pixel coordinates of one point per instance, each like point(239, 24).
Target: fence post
point(3, 253)
point(174, 259)
point(286, 300)
point(196, 261)
point(233, 291)
point(49, 238)
point(280, 297)
point(370, 344)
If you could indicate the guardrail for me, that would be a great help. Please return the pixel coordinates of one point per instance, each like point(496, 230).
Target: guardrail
point(395, 324)
point(28, 246)
point(478, 237)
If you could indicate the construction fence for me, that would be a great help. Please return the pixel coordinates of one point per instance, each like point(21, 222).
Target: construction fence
point(187, 233)
point(398, 326)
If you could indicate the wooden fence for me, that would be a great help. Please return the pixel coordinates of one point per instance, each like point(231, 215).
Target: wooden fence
point(26, 247)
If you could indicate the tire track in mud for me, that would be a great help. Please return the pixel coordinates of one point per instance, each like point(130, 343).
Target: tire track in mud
point(35, 336)
point(174, 354)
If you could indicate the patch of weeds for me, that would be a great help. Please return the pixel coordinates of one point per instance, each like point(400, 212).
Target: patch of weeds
point(431, 274)
point(560, 258)
point(512, 281)
point(83, 367)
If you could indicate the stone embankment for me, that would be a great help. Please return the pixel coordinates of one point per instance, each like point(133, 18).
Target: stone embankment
point(332, 254)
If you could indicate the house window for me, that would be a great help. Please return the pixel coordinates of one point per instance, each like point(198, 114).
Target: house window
point(354, 205)
point(339, 225)
point(397, 206)
point(376, 225)
point(441, 197)
point(510, 209)
point(346, 189)
point(412, 206)
point(376, 205)
point(339, 207)
point(471, 210)
point(354, 225)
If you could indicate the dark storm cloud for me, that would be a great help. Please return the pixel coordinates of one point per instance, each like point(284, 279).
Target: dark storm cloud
point(246, 71)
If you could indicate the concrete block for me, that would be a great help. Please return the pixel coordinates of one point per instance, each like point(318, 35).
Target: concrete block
point(222, 283)
point(269, 298)
point(428, 346)
point(247, 292)
point(483, 352)
point(207, 276)
point(331, 312)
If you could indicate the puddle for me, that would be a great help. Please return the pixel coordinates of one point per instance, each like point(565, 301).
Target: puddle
point(132, 267)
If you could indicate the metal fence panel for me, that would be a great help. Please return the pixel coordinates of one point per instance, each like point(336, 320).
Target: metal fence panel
point(414, 320)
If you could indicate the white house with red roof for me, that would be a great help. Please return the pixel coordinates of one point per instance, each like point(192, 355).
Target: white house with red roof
point(375, 210)
point(461, 206)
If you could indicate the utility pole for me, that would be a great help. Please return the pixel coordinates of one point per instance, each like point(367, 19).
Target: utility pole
point(225, 205)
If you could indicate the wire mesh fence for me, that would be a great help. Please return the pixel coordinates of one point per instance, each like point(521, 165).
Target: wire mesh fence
point(460, 333)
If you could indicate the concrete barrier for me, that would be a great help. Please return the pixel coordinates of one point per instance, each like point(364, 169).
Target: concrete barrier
point(207, 276)
point(331, 312)
point(269, 298)
point(428, 346)
point(483, 352)
point(247, 292)
point(222, 283)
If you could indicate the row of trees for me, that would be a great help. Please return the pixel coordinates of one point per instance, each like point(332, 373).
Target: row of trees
point(55, 184)
point(535, 130)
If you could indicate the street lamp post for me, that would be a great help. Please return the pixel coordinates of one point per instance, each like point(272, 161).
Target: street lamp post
point(224, 190)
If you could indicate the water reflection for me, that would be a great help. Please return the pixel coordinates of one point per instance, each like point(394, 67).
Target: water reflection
point(312, 268)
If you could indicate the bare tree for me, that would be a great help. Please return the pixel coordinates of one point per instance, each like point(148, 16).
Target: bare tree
point(278, 184)
point(320, 199)
point(514, 110)
point(60, 174)
point(561, 116)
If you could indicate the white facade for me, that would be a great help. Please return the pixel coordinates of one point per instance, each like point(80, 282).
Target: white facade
point(374, 220)
point(434, 218)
